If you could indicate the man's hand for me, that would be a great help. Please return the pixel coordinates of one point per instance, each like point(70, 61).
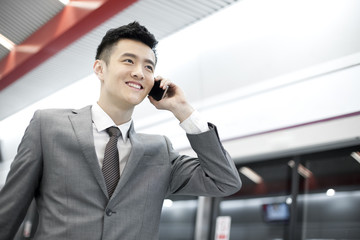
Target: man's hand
point(174, 100)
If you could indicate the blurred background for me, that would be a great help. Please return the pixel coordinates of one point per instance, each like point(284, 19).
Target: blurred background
point(279, 78)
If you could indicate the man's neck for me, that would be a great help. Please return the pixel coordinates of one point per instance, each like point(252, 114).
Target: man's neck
point(117, 114)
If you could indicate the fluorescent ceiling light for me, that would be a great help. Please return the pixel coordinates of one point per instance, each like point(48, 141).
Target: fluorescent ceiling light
point(6, 42)
point(303, 171)
point(83, 4)
point(27, 48)
point(253, 176)
point(356, 156)
point(86, 4)
point(65, 2)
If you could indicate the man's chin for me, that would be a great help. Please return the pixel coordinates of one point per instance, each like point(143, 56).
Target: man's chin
point(136, 101)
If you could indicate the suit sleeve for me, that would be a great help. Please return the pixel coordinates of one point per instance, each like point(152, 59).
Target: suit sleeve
point(212, 173)
point(22, 181)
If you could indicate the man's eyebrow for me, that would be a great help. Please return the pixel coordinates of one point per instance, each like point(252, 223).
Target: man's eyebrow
point(134, 56)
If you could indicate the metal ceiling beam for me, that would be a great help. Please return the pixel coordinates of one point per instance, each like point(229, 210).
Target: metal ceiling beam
point(75, 20)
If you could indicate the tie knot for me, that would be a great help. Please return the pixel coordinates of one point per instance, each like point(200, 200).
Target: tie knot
point(113, 132)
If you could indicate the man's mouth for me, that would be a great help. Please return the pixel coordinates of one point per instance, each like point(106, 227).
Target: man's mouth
point(134, 85)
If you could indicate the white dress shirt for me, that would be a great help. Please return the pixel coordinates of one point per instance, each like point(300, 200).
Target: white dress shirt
point(101, 121)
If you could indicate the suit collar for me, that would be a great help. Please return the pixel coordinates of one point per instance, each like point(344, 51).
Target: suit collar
point(103, 121)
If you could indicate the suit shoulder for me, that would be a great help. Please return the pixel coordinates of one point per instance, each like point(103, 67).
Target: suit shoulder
point(154, 138)
point(57, 112)
point(148, 136)
point(54, 111)
point(51, 113)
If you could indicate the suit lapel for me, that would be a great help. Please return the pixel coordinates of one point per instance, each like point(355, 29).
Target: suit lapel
point(82, 125)
point(136, 154)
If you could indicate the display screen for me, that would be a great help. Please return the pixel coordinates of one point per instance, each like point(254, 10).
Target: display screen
point(276, 212)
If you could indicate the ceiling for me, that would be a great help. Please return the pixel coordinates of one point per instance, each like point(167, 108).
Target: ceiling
point(55, 44)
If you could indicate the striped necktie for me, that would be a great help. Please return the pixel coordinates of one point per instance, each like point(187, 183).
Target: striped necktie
point(110, 168)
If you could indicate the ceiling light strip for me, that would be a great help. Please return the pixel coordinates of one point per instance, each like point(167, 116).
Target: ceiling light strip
point(303, 171)
point(356, 156)
point(253, 176)
point(65, 2)
point(7, 43)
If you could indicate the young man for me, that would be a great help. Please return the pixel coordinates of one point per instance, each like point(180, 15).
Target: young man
point(60, 161)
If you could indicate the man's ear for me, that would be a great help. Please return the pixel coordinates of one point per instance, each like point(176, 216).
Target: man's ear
point(99, 69)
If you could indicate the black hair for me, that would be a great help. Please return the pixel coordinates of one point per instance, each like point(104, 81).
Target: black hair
point(133, 31)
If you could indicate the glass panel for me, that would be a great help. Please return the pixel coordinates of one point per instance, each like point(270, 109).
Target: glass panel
point(178, 219)
point(260, 209)
point(329, 196)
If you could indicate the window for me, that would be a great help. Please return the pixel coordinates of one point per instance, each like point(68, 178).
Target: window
point(329, 198)
point(178, 219)
point(310, 196)
point(260, 210)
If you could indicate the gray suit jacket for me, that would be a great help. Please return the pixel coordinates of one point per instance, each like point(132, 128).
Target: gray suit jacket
point(56, 163)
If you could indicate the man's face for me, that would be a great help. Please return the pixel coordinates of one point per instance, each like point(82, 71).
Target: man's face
point(129, 75)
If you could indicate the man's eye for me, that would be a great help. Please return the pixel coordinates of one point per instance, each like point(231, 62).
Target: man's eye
point(150, 68)
point(129, 61)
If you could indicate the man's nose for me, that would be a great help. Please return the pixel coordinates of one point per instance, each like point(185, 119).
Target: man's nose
point(137, 72)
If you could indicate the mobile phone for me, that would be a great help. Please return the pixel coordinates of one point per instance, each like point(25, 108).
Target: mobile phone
point(156, 92)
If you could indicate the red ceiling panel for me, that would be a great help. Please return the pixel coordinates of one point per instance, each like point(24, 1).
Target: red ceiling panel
point(75, 20)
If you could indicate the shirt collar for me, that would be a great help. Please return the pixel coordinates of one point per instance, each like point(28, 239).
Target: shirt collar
point(102, 121)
